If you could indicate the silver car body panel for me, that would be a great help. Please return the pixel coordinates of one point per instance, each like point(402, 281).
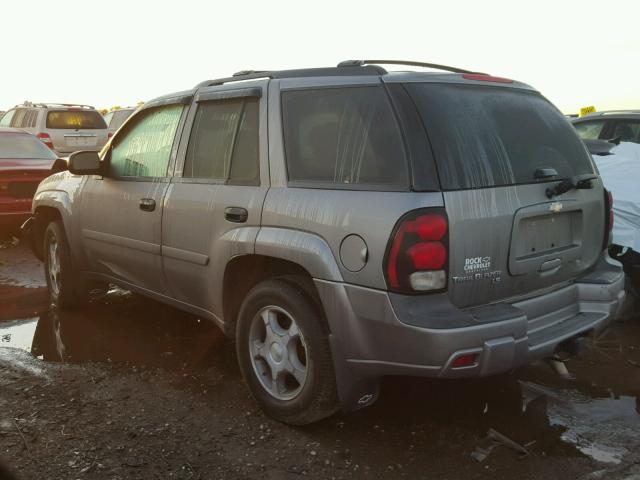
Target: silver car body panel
point(179, 253)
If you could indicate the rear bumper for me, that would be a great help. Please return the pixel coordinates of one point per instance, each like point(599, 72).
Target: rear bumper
point(380, 334)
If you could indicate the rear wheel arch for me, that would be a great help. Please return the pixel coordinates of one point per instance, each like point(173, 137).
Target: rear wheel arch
point(244, 272)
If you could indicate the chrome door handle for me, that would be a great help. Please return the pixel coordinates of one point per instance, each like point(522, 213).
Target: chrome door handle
point(236, 214)
point(147, 204)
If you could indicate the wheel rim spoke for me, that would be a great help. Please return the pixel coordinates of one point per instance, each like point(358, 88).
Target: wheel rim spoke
point(278, 352)
point(54, 266)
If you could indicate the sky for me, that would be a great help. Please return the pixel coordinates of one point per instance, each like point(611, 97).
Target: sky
point(106, 53)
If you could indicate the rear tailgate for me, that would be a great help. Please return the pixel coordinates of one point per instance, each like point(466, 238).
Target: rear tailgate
point(76, 129)
point(507, 238)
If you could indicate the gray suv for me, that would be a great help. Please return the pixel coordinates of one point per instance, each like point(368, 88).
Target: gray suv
point(343, 224)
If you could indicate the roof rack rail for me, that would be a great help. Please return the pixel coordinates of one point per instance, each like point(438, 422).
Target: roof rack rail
point(46, 105)
point(614, 112)
point(303, 72)
point(360, 63)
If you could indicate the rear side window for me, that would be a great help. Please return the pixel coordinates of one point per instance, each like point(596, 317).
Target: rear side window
point(489, 136)
point(119, 117)
point(589, 130)
point(75, 119)
point(107, 118)
point(30, 119)
point(224, 142)
point(143, 150)
point(345, 137)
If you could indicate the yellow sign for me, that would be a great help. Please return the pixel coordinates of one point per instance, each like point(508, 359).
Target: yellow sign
point(587, 110)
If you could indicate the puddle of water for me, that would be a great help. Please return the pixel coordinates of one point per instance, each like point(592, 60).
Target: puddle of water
point(118, 327)
point(597, 414)
point(601, 428)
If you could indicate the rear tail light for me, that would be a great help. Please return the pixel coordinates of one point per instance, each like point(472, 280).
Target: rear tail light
point(46, 139)
point(480, 77)
point(608, 206)
point(109, 135)
point(417, 255)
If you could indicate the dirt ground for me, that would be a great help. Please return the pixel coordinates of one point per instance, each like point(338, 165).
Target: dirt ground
point(126, 388)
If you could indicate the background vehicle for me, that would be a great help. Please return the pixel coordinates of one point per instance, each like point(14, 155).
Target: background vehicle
point(615, 124)
point(619, 166)
point(364, 224)
point(64, 128)
point(116, 118)
point(24, 162)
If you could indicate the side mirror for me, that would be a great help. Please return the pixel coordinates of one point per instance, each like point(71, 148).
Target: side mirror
point(85, 163)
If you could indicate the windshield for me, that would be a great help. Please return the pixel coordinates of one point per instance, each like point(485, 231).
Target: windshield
point(75, 119)
point(487, 136)
point(22, 145)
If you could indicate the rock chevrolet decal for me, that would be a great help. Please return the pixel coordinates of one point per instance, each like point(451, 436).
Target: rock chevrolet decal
point(477, 268)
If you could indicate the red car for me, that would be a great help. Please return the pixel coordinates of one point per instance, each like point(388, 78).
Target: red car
point(24, 162)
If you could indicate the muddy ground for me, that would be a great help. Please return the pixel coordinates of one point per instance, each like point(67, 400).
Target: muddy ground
point(128, 388)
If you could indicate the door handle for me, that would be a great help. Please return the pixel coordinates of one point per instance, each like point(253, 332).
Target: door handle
point(147, 204)
point(236, 214)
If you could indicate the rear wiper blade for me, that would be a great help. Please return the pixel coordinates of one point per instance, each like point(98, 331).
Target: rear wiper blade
point(578, 182)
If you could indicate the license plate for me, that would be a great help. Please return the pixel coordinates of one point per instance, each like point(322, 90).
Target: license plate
point(81, 141)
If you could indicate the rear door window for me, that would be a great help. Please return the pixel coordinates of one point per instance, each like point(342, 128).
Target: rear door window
point(75, 119)
point(144, 149)
point(223, 144)
point(343, 137)
point(627, 130)
point(18, 118)
point(589, 130)
point(490, 136)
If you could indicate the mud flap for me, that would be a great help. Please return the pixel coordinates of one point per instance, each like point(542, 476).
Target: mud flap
point(354, 392)
point(27, 235)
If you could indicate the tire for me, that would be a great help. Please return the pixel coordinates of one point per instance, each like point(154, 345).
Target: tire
point(65, 287)
point(298, 399)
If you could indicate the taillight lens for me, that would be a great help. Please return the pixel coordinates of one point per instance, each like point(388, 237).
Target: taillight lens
point(610, 206)
point(481, 77)
point(608, 209)
point(46, 139)
point(417, 255)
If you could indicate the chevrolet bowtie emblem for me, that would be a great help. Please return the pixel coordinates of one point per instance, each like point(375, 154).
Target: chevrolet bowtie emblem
point(555, 207)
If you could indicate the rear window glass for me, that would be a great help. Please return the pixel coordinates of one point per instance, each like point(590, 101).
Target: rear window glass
point(488, 136)
point(20, 145)
point(343, 136)
point(75, 119)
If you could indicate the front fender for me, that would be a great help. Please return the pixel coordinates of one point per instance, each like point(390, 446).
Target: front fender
point(57, 193)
